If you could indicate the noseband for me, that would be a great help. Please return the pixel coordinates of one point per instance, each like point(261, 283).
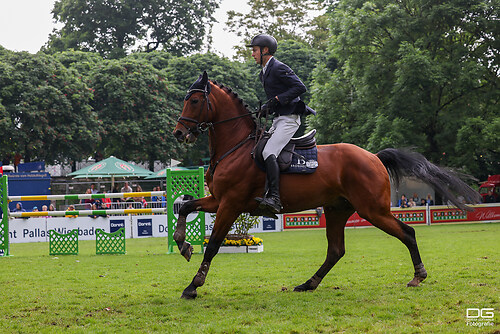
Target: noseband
point(199, 127)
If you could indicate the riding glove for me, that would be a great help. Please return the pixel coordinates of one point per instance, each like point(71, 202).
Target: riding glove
point(269, 107)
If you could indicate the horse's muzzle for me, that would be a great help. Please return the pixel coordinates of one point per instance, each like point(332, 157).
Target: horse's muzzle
point(179, 135)
point(184, 137)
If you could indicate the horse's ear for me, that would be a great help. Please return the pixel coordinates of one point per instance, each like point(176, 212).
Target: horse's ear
point(205, 83)
point(204, 79)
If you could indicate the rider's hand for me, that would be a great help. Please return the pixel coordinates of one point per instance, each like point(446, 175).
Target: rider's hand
point(269, 107)
point(272, 103)
point(264, 111)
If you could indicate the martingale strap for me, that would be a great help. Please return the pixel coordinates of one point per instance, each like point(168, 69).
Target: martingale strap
point(212, 168)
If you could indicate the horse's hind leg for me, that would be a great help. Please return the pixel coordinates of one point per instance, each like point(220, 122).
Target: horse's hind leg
point(335, 224)
point(387, 223)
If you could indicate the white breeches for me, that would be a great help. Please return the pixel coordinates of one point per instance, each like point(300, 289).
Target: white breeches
point(282, 130)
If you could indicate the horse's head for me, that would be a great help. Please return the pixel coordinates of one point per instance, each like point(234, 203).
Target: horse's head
point(195, 113)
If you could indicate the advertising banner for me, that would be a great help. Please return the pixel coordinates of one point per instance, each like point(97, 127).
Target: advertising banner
point(304, 219)
point(264, 224)
point(415, 215)
point(481, 213)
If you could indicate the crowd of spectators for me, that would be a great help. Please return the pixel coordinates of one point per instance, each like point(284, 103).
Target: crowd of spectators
point(106, 203)
point(413, 201)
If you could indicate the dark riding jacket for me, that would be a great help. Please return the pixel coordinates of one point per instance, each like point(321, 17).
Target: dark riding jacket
point(279, 80)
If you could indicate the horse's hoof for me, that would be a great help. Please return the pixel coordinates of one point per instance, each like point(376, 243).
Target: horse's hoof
point(418, 277)
point(303, 287)
point(415, 282)
point(189, 294)
point(187, 251)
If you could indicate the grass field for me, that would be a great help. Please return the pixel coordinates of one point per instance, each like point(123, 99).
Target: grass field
point(252, 293)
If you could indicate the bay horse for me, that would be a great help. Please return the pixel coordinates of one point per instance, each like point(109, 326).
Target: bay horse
point(348, 179)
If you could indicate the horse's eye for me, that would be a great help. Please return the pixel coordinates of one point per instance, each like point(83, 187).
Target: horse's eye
point(194, 101)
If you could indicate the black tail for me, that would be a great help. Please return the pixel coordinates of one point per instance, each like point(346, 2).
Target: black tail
point(401, 163)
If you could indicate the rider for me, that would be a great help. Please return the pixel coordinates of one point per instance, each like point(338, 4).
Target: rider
point(283, 89)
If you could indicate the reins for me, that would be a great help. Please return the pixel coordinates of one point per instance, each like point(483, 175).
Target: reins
point(201, 127)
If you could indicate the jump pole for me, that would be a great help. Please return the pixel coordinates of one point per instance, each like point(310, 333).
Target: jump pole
point(4, 224)
point(85, 212)
point(84, 196)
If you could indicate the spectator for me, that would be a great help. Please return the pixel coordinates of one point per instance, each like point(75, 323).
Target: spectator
point(52, 207)
point(403, 202)
point(98, 206)
point(489, 198)
point(35, 209)
point(45, 209)
point(415, 198)
point(160, 201)
point(155, 199)
point(94, 207)
point(106, 202)
point(71, 208)
point(140, 199)
point(19, 207)
point(88, 202)
point(411, 203)
point(430, 201)
point(126, 188)
point(93, 189)
point(423, 202)
point(130, 204)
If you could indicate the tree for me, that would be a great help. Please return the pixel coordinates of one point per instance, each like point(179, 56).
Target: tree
point(283, 19)
point(114, 27)
point(45, 109)
point(133, 101)
point(408, 73)
point(479, 144)
point(81, 62)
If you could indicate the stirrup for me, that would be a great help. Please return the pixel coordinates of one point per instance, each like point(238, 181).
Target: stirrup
point(271, 204)
point(266, 212)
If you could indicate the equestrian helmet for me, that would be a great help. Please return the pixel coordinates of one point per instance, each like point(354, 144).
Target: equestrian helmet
point(263, 40)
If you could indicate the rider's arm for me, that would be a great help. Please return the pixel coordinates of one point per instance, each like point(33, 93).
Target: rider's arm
point(294, 86)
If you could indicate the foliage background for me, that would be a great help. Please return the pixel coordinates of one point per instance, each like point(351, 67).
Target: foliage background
point(421, 74)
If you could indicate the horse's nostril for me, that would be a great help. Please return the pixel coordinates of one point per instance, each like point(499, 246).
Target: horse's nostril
point(177, 133)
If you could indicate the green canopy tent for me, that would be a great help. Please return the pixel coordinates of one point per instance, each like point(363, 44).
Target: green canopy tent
point(161, 174)
point(110, 168)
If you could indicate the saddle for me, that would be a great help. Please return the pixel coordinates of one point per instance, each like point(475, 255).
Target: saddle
point(299, 156)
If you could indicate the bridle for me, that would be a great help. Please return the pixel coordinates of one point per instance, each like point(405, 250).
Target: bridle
point(201, 127)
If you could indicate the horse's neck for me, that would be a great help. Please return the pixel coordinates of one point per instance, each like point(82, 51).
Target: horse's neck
point(228, 134)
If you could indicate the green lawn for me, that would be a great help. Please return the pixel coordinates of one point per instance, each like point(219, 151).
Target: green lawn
point(252, 293)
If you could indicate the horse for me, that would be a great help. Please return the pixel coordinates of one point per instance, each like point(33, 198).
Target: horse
point(347, 179)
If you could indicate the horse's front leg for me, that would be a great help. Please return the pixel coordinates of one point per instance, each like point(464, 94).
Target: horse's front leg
point(206, 204)
point(226, 215)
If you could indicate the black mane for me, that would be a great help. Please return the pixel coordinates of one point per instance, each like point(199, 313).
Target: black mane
point(234, 95)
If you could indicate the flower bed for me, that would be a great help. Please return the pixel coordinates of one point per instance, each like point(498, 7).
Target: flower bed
point(239, 244)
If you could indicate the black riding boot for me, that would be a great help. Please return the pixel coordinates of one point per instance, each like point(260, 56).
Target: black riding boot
point(271, 201)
